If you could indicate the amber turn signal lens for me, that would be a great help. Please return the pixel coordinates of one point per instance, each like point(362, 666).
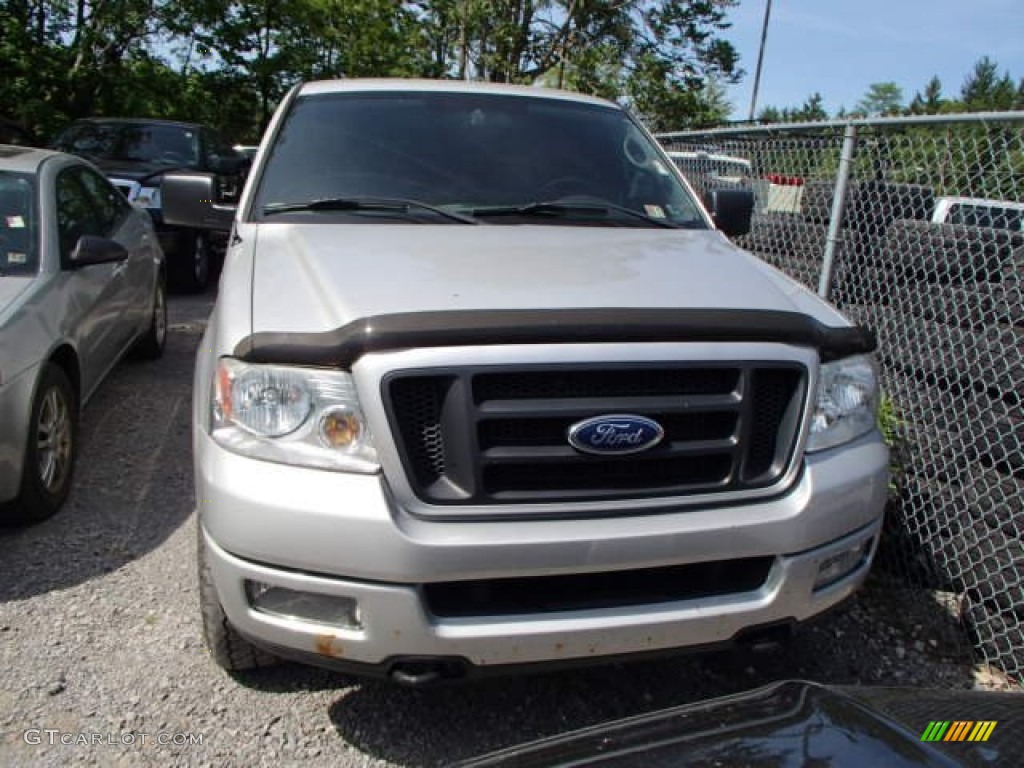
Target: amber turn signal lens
point(340, 428)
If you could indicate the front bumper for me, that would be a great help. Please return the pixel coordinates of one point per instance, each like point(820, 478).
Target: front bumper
point(344, 535)
point(15, 412)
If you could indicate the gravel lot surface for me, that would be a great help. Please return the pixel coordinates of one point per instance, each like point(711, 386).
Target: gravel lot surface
point(100, 637)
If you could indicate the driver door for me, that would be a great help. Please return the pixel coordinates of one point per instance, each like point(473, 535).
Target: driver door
point(89, 295)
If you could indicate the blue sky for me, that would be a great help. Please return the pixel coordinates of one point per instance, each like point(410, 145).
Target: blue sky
point(840, 47)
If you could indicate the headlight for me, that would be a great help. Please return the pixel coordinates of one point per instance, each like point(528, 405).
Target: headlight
point(303, 416)
point(847, 402)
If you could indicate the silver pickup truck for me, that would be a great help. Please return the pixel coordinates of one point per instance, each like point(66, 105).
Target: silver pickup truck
point(487, 386)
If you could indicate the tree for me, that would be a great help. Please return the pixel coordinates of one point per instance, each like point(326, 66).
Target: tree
point(983, 90)
point(656, 56)
point(881, 99)
point(231, 61)
point(931, 101)
point(273, 44)
point(812, 110)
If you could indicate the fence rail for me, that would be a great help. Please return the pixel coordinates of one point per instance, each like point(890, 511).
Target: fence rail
point(915, 227)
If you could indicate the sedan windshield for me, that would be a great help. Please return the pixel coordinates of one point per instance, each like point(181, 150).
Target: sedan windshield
point(492, 157)
point(19, 228)
point(166, 144)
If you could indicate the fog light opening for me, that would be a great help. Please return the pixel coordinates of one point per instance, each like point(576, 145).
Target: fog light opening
point(316, 607)
point(840, 565)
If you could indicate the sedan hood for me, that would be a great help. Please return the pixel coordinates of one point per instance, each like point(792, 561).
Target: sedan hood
point(313, 278)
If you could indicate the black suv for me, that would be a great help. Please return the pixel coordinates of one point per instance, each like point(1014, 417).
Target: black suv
point(136, 153)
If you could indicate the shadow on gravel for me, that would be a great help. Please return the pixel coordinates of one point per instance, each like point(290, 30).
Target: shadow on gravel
point(883, 637)
point(133, 479)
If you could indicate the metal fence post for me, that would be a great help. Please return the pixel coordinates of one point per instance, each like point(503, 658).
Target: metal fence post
point(835, 221)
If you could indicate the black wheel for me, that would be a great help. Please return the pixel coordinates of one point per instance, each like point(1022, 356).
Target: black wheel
point(151, 346)
point(229, 649)
point(192, 264)
point(49, 450)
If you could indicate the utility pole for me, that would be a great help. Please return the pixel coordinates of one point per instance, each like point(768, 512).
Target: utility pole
point(760, 58)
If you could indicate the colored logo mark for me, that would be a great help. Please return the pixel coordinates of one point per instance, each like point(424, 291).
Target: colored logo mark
point(958, 730)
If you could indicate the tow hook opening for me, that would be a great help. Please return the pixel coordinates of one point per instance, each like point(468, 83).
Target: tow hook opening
point(416, 672)
point(766, 638)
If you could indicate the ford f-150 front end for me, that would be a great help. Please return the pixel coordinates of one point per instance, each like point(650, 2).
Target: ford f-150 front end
point(484, 386)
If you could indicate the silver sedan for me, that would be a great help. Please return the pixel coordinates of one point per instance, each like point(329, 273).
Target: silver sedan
point(81, 284)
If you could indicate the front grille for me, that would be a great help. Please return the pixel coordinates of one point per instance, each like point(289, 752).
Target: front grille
point(496, 435)
point(593, 591)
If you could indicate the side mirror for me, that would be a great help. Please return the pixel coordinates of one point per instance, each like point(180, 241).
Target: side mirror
point(187, 200)
point(91, 249)
point(731, 209)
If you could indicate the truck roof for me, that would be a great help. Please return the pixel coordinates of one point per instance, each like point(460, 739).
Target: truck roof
point(369, 85)
point(980, 202)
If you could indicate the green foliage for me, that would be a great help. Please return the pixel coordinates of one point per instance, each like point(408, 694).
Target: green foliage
point(812, 110)
point(892, 426)
point(983, 90)
point(229, 62)
point(881, 99)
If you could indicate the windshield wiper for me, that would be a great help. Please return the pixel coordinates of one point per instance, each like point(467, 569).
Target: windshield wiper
point(365, 204)
point(556, 208)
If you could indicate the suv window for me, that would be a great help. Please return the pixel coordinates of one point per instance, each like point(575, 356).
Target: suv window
point(467, 151)
point(163, 143)
point(215, 146)
point(987, 216)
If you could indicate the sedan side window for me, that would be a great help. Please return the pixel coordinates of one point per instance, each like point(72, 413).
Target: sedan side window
point(109, 204)
point(76, 215)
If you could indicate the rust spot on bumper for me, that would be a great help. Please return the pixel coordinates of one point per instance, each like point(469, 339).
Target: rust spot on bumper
point(328, 645)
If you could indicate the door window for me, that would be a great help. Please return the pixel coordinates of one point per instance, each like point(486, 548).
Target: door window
point(77, 214)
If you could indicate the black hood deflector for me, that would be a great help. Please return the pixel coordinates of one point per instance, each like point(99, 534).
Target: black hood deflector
point(412, 330)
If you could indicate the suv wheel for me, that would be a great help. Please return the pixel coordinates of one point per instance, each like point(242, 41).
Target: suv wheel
point(49, 450)
point(229, 649)
point(192, 265)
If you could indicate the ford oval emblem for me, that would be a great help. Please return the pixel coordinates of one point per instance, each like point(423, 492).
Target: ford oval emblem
point(615, 434)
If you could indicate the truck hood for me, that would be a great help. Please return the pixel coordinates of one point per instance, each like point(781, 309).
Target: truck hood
point(313, 278)
point(142, 171)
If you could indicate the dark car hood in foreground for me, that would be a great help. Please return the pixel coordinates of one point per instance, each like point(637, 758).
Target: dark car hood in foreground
point(790, 724)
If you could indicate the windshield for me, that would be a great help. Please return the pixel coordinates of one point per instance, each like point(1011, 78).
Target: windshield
point(19, 241)
point(133, 142)
point(467, 153)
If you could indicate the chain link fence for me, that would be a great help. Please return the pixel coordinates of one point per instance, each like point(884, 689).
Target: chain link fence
point(915, 227)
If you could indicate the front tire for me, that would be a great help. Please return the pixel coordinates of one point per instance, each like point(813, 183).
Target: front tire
point(230, 650)
point(50, 450)
point(192, 264)
point(151, 346)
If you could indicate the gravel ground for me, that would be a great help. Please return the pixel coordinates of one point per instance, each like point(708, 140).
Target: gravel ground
point(100, 637)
